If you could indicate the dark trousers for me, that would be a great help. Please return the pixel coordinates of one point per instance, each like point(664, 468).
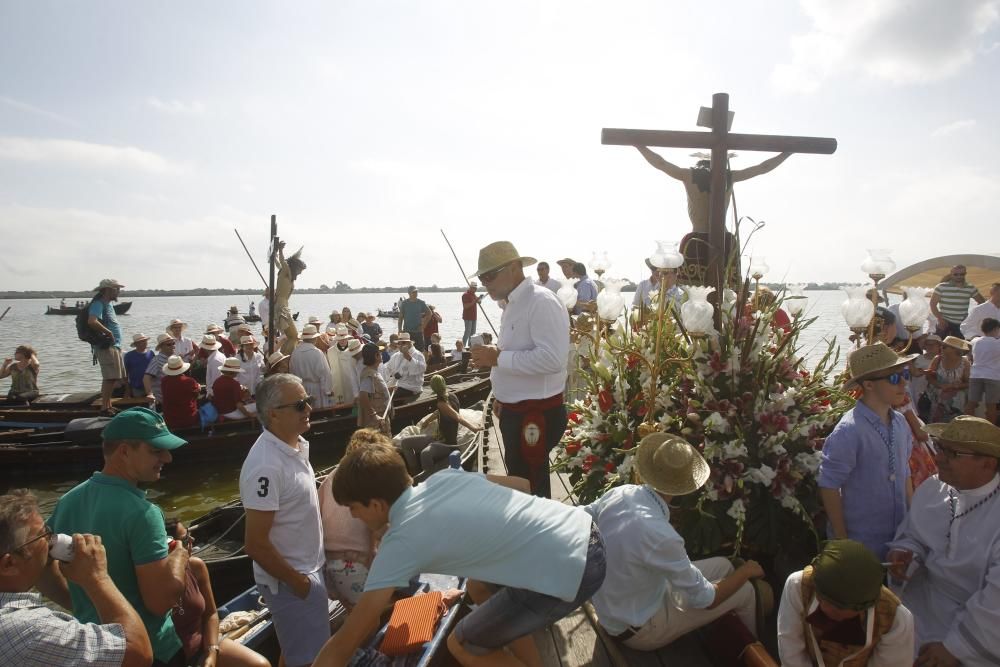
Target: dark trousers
point(951, 330)
point(418, 340)
point(511, 428)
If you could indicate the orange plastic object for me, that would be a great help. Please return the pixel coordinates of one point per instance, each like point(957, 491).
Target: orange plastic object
point(412, 623)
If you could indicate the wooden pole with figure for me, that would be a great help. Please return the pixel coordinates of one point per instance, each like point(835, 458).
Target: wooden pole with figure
point(709, 263)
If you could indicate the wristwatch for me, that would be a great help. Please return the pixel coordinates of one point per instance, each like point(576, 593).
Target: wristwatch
point(214, 647)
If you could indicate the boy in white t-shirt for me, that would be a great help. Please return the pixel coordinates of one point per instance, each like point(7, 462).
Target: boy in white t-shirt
point(984, 380)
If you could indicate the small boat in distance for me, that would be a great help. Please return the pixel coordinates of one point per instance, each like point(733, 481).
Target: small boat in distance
point(61, 309)
point(394, 313)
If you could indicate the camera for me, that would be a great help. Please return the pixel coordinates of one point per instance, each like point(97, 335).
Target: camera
point(61, 548)
point(398, 376)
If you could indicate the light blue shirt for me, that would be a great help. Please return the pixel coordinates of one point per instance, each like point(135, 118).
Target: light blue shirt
point(461, 524)
point(105, 312)
point(586, 290)
point(648, 567)
point(856, 460)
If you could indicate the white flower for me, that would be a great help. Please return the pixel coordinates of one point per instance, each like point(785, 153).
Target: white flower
point(808, 461)
point(789, 501)
point(716, 422)
point(763, 475)
point(737, 510)
point(734, 449)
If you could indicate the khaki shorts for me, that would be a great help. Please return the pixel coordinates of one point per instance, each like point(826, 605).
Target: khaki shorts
point(112, 366)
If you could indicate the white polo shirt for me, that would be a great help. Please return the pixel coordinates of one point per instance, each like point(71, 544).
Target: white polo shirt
point(533, 343)
point(277, 478)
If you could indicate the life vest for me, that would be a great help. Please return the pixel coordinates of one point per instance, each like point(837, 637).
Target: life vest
point(836, 653)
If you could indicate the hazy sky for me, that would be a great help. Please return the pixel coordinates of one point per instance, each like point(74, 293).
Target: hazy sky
point(134, 136)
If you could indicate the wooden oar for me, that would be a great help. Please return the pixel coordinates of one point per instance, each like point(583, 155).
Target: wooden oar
point(389, 406)
point(5, 313)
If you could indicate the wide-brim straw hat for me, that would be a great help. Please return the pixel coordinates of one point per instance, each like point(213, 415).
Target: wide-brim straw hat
point(163, 338)
point(932, 338)
point(353, 347)
point(314, 319)
point(498, 254)
point(566, 260)
point(871, 359)
point(214, 329)
point(309, 332)
point(209, 342)
point(175, 366)
point(247, 340)
point(138, 338)
point(230, 365)
point(108, 283)
point(956, 343)
point(973, 433)
point(174, 322)
point(670, 465)
point(276, 357)
point(404, 338)
point(342, 332)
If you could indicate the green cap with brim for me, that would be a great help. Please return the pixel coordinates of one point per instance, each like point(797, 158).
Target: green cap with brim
point(142, 424)
point(848, 574)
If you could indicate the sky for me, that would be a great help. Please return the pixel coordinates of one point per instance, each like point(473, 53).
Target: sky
point(136, 136)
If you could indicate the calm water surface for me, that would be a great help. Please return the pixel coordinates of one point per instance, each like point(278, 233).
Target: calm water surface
point(188, 492)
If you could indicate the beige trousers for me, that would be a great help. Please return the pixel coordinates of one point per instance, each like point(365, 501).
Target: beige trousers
point(669, 622)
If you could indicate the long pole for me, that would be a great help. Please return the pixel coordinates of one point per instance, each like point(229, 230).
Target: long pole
point(5, 313)
point(270, 289)
point(250, 256)
point(481, 309)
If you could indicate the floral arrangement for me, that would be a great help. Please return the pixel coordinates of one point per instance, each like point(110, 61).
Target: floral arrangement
point(741, 396)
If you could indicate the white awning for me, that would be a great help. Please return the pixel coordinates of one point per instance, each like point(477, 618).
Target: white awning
point(982, 271)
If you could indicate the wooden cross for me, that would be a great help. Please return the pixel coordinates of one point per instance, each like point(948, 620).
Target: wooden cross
point(720, 141)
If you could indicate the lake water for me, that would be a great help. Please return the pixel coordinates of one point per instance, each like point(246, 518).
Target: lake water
point(66, 364)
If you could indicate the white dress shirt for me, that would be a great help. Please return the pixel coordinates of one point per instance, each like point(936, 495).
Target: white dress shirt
point(411, 371)
point(953, 590)
point(972, 325)
point(895, 648)
point(534, 345)
point(264, 310)
point(253, 371)
point(551, 284)
point(310, 365)
point(212, 372)
point(985, 358)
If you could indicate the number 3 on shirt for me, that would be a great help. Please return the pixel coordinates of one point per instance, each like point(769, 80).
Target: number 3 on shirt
point(264, 483)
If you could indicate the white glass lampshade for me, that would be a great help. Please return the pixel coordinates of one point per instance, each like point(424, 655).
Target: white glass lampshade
point(914, 310)
point(666, 256)
point(697, 312)
point(599, 263)
point(878, 263)
point(567, 294)
point(795, 301)
point(858, 310)
point(610, 302)
point(728, 300)
point(758, 267)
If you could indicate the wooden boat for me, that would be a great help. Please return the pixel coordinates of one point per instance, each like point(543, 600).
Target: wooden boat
point(71, 448)
point(255, 317)
point(394, 313)
point(260, 635)
point(120, 309)
point(219, 533)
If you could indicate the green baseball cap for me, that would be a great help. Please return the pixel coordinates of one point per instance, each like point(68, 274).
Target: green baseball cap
point(141, 424)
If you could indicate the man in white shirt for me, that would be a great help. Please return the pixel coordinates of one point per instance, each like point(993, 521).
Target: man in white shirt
point(528, 363)
point(545, 280)
point(836, 611)
point(406, 368)
point(252, 363)
point(990, 308)
point(984, 378)
point(184, 347)
point(653, 593)
point(311, 366)
point(283, 527)
point(946, 553)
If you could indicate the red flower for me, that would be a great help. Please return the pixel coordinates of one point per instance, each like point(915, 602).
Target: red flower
point(629, 441)
point(633, 361)
point(605, 400)
point(574, 417)
point(609, 466)
point(573, 447)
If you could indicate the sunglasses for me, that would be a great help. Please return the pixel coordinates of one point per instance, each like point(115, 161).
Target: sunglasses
point(894, 378)
point(46, 534)
point(949, 453)
point(490, 276)
point(299, 405)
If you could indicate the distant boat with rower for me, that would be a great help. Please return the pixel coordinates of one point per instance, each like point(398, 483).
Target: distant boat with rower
point(80, 306)
point(394, 313)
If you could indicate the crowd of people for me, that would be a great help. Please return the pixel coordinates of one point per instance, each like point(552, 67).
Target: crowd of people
point(907, 577)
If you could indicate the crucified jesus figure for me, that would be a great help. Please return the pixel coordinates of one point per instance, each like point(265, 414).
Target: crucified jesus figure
point(696, 180)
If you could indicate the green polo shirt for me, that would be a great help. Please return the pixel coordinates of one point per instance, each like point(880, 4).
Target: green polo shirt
point(131, 529)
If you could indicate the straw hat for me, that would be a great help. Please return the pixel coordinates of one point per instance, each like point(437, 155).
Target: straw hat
point(108, 283)
point(213, 329)
point(973, 433)
point(314, 319)
point(137, 338)
point(353, 347)
point(174, 322)
point(866, 361)
point(309, 332)
point(496, 255)
point(566, 260)
point(175, 366)
point(208, 342)
point(247, 340)
point(342, 332)
point(276, 357)
point(163, 338)
point(231, 365)
point(670, 465)
point(932, 338)
point(404, 339)
point(956, 343)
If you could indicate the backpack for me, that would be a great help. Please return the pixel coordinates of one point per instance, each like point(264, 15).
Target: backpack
point(88, 335)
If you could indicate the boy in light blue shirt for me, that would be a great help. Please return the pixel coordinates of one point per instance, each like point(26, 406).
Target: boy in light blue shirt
point(536, 553)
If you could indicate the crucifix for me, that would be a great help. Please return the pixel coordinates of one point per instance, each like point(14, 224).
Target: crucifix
point(720, 141)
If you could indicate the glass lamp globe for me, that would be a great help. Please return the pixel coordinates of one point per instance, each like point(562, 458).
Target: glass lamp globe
point(913, 311)
point(858, 310)
point(878, 263)
point(567, 294)
point(758, 267)
point(610, 302)
point(697, 312)
point(666, 256)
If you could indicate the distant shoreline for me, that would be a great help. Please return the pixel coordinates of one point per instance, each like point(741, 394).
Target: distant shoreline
point(341, 289)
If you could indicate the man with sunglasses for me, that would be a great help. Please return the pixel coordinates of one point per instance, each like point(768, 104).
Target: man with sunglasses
point(528, 363)
point(284, 533)
point(864, 474)
point(946, 555)
point(36, 634)
point(137, 444)
point(950, 302)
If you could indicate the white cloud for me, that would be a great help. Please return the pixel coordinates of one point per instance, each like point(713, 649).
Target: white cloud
point(36, 111)
point(176, 107)
point(899, 41)
point(951, 128)
point(81, 153)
